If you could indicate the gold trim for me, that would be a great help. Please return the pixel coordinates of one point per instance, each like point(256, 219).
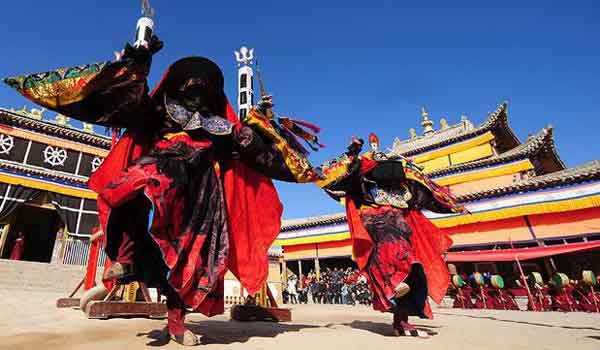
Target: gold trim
point(39, 185)
point(333, 237)
point(530, 209)
point(297, 163)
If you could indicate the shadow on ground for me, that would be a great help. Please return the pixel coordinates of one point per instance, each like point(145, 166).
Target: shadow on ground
point(492, 318)
point(227, 332)
point(385, 329)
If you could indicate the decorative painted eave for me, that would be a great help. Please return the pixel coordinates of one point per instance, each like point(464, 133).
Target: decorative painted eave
point(331, 219)
point(497, 123)
point(14, 119)
point(41, 172)
point(539, 148)
point(572, 176)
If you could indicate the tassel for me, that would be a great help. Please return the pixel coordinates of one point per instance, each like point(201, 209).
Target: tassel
point(306, 124)
point(115, 136)
point(294, 127)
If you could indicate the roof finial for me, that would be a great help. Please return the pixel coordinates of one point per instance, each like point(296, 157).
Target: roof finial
point(413, 133)
point(444, 124)
point(427, 123)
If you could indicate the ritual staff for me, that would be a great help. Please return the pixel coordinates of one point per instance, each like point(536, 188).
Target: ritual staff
point(395, 246)
point(18, 248)
point(186, 193)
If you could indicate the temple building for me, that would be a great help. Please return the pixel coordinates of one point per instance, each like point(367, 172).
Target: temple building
point(524, 203)
point(44, 168)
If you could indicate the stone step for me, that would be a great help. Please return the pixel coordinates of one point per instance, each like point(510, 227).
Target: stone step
point(32, 276)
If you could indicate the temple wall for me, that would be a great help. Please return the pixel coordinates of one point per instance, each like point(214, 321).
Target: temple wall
point(569, 223)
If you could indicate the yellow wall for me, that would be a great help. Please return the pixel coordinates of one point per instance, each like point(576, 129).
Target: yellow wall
point(471, 154)
point(454, 148)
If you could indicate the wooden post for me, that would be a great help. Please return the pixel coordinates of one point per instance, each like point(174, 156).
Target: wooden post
point(62, 251)
point(5, 231)
point(285, 276)
point(318, 269)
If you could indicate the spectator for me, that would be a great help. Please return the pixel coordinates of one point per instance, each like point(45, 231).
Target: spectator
point(292, 282)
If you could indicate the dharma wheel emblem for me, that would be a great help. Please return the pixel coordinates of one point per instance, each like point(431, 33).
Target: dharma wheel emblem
point(96, 163)
point(7, 143)
point(55, 156)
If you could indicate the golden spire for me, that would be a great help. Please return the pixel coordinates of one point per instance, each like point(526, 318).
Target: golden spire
point(427, 123)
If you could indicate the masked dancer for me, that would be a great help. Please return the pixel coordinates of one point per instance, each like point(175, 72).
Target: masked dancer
point(395, 246)
point(186, 193)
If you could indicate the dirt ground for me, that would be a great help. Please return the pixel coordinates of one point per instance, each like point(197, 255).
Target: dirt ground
point(29, 320)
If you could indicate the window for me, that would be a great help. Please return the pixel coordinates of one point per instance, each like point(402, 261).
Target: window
point(243, 98)
point(243, 113)
point(243, 80)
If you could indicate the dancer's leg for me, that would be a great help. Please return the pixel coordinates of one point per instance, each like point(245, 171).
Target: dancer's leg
point(176, 322)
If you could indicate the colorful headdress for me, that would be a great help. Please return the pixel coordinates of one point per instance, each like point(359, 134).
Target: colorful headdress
point(373, 138)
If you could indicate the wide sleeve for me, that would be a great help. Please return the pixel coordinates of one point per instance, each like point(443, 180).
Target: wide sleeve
point(263, 147)
point(112, 94)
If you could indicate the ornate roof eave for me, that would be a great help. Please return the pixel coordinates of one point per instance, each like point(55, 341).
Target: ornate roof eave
point(497, 122)
point(539, 148)
point(14, 119)
point(294, 224)
point(587, 172)
point(31, 170)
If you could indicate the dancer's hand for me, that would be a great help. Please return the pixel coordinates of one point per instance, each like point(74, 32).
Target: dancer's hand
point(265, 105)
point(355, 146)
point(140, 54)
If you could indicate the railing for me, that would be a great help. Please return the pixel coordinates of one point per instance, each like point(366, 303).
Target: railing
point(234, 300)
point(76, 252)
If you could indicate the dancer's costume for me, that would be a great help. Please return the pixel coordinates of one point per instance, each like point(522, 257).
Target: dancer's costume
point(393, 242)
point(184, 195)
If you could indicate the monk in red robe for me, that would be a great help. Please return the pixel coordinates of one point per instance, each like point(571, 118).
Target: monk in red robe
point(463, 299)
point(18, 248)
point(503, 300)
point(563, 299)
point(186, 193)
point(483, 297)
point(395, 246)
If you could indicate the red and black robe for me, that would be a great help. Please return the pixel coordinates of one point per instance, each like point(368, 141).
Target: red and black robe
point(394, 244)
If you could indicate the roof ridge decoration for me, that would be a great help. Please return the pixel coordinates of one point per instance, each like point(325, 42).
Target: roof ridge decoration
point(34, 121)
point(542, 141)
point(497, 120)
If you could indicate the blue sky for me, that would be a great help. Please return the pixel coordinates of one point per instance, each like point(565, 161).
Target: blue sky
point(353, 67)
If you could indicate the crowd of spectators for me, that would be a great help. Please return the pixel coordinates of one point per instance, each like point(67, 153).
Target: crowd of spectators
point(335, 286)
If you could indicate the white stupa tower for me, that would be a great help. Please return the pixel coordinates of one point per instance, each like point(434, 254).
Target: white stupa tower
point(245, 98)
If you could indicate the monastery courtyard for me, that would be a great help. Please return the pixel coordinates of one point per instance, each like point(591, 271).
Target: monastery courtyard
point(30, 320)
